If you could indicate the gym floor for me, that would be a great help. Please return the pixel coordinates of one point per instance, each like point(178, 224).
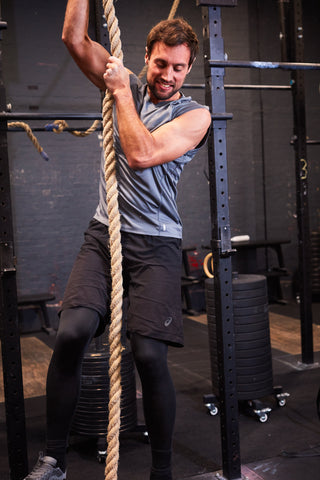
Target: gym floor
point(285, 447)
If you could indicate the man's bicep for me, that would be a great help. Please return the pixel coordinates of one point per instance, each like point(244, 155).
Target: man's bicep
point(91, 57)
point(184, 133)
point(189, 129)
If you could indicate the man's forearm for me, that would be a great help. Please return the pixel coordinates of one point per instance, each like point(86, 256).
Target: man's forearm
point(76, 21)
point(135, 138)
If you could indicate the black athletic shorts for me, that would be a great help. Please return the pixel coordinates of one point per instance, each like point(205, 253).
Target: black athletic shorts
point(151, 280)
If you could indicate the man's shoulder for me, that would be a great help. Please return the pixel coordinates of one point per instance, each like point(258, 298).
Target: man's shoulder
point(185, 104)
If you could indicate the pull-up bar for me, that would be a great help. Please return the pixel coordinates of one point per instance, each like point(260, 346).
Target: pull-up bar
point(50, 116)
point(240, 87)
point(264, 65)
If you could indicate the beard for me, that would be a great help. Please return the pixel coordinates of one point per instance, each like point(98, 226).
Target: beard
point(162, 95)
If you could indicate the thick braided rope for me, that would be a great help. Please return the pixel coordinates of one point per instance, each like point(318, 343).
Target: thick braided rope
point(61, 125)
point(171, 15)
point(111, 468)
point(30, 134)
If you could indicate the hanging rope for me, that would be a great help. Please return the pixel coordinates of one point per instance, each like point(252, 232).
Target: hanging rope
point(171, 15)
point(58, 126)
point(112, 459)
point(32, 137)
point(115, 346)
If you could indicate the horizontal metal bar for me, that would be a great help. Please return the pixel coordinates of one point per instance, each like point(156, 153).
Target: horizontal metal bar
point(308, 142)
point(217, 3)
point(92, 116)
point(258, 87)
point(222, 116)
point(264, 65)
point(241, 87)
point(44, 129)
point(50, 116)
point(194, 85)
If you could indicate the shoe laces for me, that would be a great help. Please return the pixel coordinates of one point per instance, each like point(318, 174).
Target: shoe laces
point(44, 465)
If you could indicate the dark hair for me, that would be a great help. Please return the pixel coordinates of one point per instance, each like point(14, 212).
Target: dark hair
point(174, 32)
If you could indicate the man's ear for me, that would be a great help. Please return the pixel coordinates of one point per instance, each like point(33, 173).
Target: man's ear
point(191, 65)
point(146, 57)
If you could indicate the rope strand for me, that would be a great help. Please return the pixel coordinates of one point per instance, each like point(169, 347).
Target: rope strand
point(30, 134)
point(112, 460)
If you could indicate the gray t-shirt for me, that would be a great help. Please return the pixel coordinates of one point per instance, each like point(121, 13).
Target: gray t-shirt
point(147, 198)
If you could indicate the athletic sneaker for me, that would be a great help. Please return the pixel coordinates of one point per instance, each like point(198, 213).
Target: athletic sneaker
point(45, 469)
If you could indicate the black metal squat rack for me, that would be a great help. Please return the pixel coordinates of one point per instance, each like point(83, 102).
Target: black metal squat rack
point(214, 65)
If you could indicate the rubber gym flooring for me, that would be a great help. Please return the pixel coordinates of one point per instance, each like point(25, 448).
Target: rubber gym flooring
point(285, 447)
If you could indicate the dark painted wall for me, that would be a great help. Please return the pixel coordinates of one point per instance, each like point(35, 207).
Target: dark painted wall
point(53, 201)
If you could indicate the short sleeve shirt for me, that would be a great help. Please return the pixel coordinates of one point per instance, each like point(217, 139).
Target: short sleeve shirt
point(147, 198)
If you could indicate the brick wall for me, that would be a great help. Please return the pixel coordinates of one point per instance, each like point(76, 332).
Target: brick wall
point(53, 201)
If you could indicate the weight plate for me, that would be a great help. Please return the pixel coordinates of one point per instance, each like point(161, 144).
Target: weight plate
point(251, 336)
point(247, 319)
point(253, 344)
point(254, 353)
point(247, 281)
point(266, 384)
point(251, 310)
point(249, 302)
point(257, 378)
point(252, 364)
point(211, 310)
point(252, 293)
point(251, 327)
point(254, 370)
point(255, 394)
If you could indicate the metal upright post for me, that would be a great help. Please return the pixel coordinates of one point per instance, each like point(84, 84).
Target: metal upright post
point(296, 52)
point(10, 341)
point(221, 238)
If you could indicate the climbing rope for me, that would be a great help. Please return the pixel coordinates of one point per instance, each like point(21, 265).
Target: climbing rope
point(32, 137)
point(58, 126)
point(171, 15)
point(115, 346)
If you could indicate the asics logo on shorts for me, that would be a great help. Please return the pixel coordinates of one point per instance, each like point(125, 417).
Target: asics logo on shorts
point(168, 321)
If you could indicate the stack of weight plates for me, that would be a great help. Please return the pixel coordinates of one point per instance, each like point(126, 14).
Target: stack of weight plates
point(315, 262)
point(91, 416)
point(252, 337)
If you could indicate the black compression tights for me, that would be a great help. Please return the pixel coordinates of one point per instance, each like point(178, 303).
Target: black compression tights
point(159, 400)
point(77, 327)
point(76, 330)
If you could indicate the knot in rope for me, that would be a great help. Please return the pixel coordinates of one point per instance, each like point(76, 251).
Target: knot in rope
point(59, 126)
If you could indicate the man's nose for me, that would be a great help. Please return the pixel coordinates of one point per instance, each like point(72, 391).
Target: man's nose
point(168, 73)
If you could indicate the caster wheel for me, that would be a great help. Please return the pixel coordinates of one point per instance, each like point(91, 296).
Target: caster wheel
point(263, 418)
point(213, 411)
point(282, 402)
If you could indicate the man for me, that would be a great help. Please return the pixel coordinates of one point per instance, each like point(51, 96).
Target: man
point(156, 132)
